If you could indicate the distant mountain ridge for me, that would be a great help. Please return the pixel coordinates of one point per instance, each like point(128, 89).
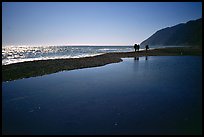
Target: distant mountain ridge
point(184, 34)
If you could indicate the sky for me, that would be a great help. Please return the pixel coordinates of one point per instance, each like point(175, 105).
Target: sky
point(90, 23)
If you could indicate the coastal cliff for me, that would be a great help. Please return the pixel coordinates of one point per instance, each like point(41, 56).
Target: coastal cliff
point(184, 34)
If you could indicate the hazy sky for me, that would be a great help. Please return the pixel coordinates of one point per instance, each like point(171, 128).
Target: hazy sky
point(91, 23)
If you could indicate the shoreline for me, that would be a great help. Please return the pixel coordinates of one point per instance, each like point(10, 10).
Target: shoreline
point(43, 67)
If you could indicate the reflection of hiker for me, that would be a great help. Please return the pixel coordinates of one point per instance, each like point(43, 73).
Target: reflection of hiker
point(136, 58)
point(146, 47)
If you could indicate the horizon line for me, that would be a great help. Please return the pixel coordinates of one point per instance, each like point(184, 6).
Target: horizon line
point(33, 45)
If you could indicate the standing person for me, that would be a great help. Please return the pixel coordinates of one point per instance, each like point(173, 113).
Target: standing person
point(135, 47)
point(146, 47)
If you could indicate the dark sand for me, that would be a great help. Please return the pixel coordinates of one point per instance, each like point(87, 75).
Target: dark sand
point(43, 67)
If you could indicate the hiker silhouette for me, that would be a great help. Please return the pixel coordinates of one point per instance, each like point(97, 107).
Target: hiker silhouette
point(136, 47)
point(146, 47)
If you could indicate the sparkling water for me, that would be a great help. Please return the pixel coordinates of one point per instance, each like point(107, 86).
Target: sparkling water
point(15, 54)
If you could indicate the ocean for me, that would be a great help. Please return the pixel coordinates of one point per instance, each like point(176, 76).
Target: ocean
point(15, 54)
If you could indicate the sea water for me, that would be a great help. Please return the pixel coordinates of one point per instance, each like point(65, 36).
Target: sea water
point(15, 54)
point(149, 95)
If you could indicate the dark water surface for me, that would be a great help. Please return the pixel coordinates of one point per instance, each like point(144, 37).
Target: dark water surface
point(160, 95)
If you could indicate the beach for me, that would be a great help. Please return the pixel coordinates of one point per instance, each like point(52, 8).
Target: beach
point(43, 67)
point(99, 68)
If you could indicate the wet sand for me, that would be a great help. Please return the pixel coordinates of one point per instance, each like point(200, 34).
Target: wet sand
point(43, 67)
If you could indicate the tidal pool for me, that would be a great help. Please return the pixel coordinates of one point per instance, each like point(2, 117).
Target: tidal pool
point(146, 95)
